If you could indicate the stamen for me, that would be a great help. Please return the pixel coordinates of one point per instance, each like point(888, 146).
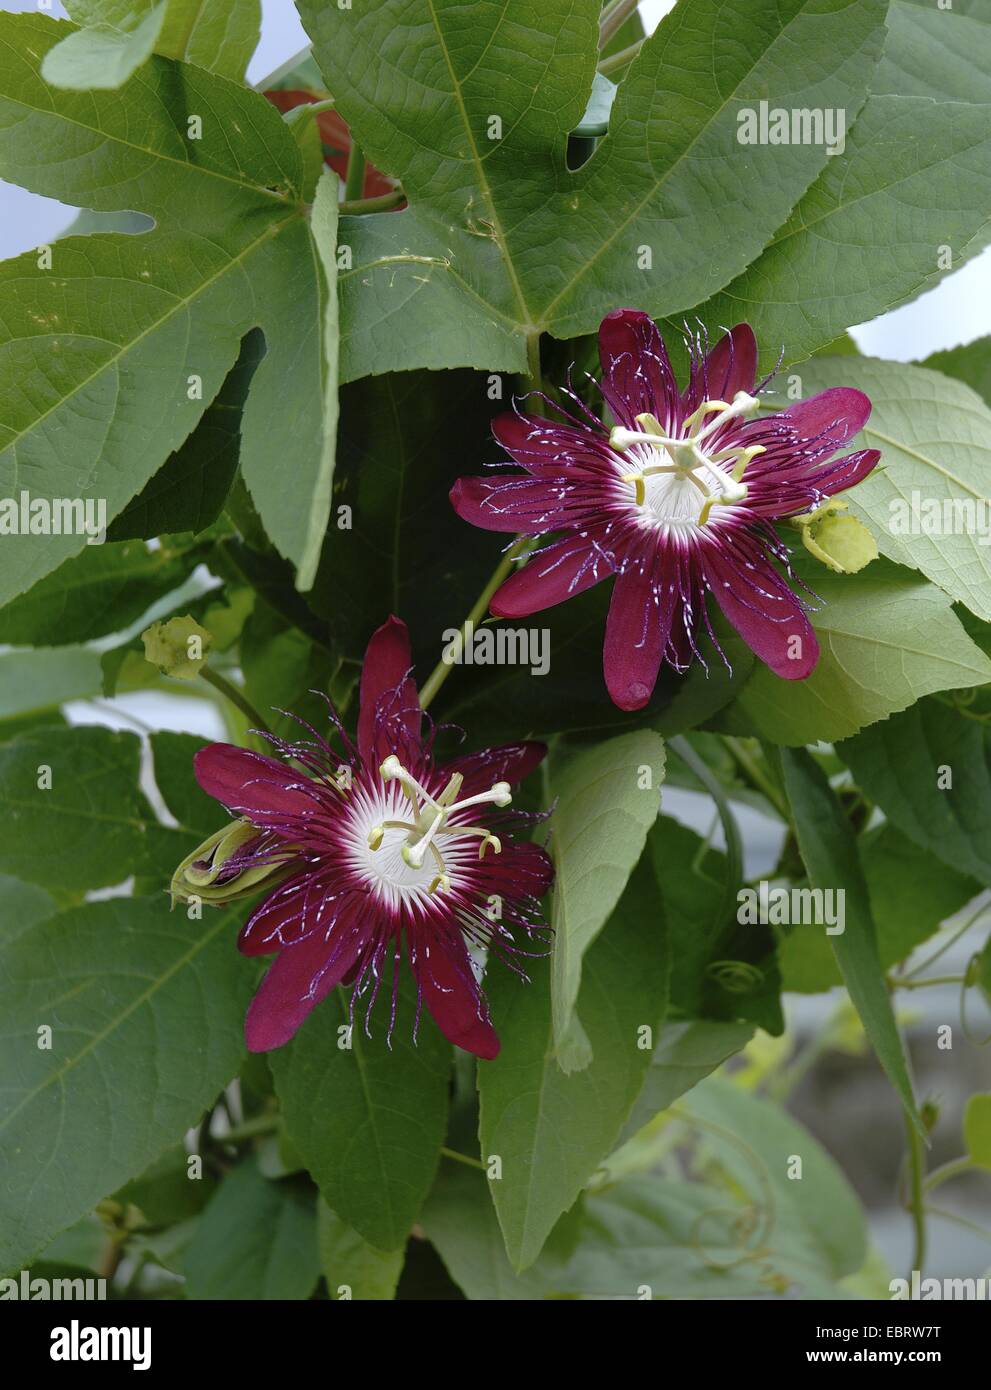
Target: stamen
point(640, 492)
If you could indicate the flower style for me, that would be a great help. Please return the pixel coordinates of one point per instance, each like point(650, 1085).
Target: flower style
point(377, 850)
point(676, 501)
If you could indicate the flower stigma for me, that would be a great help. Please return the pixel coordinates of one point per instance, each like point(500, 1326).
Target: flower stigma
point(430, 820)
point(672, 463)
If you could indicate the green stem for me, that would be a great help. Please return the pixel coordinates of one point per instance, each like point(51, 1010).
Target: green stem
point(756, 776)
point(617, 61)
point(613, 17)
point(355, 207)
point(902, 982)
point(953, 1169)
point(250, 1129)
point(734, 844)
point(308, 109)
point(917, 1173)
point(453, 651)
point(463, 1158)
point(236, 697)
point(959, 1220)
point(950, 941)
point(354, 184)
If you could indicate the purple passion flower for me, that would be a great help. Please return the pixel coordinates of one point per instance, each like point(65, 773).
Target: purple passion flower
point(381, 853)
point(676, 501)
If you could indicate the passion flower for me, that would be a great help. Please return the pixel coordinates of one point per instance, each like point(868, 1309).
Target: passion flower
point(676, 501)
point(381, 853)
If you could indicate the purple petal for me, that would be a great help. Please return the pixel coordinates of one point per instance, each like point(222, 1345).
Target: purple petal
point(389, 707)
point(764, 611)
point(636, 636)
point(554, 574)
point(637, 377)
point(300, 978)
point(450, 991)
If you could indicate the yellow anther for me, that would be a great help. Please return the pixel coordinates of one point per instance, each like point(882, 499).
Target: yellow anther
point(492, 840)
point(638, 487)
point(706, 408)
point(375, 836)
point(742, 462)
point(440, 884)
point(650, 424)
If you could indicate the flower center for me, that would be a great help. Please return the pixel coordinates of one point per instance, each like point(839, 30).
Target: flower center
point(677, 482)
point(407, 844)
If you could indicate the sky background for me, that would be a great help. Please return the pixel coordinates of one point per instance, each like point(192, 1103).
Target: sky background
point(954, 312)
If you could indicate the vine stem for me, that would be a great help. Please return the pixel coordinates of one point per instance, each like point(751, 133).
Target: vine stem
point(354, 207)
point(250, 1129)
point(463, 1158)
point(917, 1203)
point(617, 61)
point(452, 652)
point(757, 778)
point(613, 17)
point(901, 982)
point(953, 1169)
point(354, 182)
point(236, 697)
point(734, 843)
point(950, 941)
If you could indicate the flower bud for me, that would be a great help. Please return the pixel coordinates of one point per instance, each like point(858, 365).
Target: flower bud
point(178, 647)
point(221, 869)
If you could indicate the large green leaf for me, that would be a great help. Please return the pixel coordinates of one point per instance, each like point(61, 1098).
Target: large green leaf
point(887, 636)
point(88, 406)
point(502, 240)
point(31, 681)
point(92, 826)
point(970, 364)
point(146, 1011)
point(102, 590)
point(758, 1232)
point(816, 1218)
point(21, 906)
point(550, 1130)
point(119, 35)
point(189, 491)
point(173, 754)
point(720, 969)
point(368, 1120)
point(929, 769)
point(395, 543)
point(352, 1268)
point(926, 502)
point(607, 798)
point(686, 1053)
point(911, 894)
point(255, 1240)
point(915, 178)
point(829, 851)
